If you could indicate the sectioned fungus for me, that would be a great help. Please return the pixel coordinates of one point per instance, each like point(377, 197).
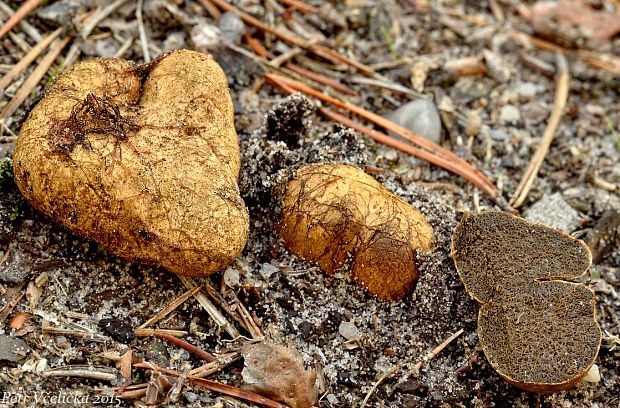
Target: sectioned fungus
point(536, 322)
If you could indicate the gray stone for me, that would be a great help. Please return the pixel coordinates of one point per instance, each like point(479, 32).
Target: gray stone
point(12, 349)
point(527, 91)
point(190, 396)
point(467, 89)
point(509, 115)
point(534, 113)
point(498, 135)
point(232, 28)
point(420, 117)
point(232, 278)
point(61, 13)
point(267, 269)
point(554, 211)
point(205, 36)
point(496, 66)
point(174, 41)
point(349, 331)
point(17, 266)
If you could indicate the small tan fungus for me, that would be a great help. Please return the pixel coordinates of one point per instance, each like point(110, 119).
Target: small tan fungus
point(334, 211)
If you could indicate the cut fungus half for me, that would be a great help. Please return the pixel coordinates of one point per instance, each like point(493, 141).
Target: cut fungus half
point(536, 323)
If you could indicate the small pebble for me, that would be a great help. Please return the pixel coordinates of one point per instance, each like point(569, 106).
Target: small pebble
point(267, 269)
point(17, 266)
point(332, 399)
point(232, 28)
point(60, 13)
point(498, 135)
point(554, 211)
point(174, 41)
point(474, 123)
point(593, 375)
point(41, 365)
point(496, 67)
point(509, 115)
point(190, 396)
point(349, 331)
point(231, 278)
point(527, 91)
point(12, 349)
point(421, 117)
point(205, 36)
point(534, 113)
point(468, 89)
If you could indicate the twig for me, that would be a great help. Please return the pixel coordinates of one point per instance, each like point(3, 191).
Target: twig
point(170, 307)
point(205, 355)
point(124, 47)
point(319, 50)
point(95, 373)
point(321, 79)
point(383, 377)
point(25, 25)
point(217, 298)
point(131, 392)
point(215, 314)
point(301, 6)
point(395, 143)
point(27, 59)
point(155, 332)
point(11, 301)
point(428, 357)
point(211, 9)
point(96, 18)
point(381, 82)
point(286, 57)
point(216, 386)
point(143, 40)
point(497, 11)
point(259, 50)
point(416, 367)
point(79, 333)
point(7, 139)
point(256, 46)
point(255, 331)
point(173, 394)
point(559, 103)
point(33, 80)
point(25, 8)
point(464, 169)
point(607, 62)
point(222, 362)
point(20, 42)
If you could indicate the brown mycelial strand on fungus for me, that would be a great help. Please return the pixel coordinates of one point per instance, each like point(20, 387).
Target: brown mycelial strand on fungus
point(142, 159)
point(332, 212)
point(536, 322)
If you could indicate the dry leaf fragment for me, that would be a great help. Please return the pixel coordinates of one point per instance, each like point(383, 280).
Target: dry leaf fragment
point(570, 22)
point(278, 373)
